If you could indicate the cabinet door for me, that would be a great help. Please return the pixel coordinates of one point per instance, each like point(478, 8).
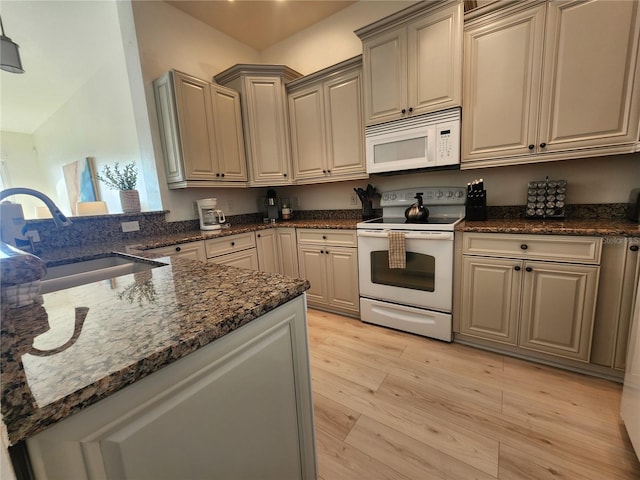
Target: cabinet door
point(345, 125)
point(192, 250)
point(434, 46)
point(588, 96)
point(631, 273)
point(384, 60)
point(195, 117)
point(491, 290)
point(502, 72)
point(167, 122)
point(312, 266)
point(267, 245)
point(342, 278)
point(228, 134)
point(558, 306)
point(308, 146)
point(244, 259)
point(288, 251)
point(268, 137)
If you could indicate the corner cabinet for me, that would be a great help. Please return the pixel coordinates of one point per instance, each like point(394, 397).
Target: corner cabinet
point(204, 415)
point(561, 91)
point(412, 62)
point(533, 292)
point(327, 126)
point(265, 120)
point(201, 132)
point(329, 260)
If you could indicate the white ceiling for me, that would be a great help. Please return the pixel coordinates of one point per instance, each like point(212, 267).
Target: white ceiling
point(63, 43)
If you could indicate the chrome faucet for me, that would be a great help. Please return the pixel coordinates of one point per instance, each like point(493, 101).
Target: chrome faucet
point(59, 218)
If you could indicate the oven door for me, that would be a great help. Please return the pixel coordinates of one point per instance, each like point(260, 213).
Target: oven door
point(426, 281)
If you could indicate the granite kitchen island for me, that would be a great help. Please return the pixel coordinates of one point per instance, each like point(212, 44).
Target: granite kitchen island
point(189, 370)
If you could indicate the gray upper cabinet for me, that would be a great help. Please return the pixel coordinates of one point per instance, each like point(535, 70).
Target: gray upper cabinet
point(540, 84)
point(201, 132)
point(265, 120)
point(327, 125)
point(412, 61)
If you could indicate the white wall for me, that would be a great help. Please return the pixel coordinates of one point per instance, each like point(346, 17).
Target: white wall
point(21, 161)
point(331, 40)
point(590, 180)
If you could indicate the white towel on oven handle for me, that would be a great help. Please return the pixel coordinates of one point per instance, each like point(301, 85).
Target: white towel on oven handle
point(397, 250)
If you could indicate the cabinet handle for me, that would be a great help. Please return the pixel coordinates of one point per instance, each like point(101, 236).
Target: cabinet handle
point(233, 244)
point(633, 248)
point(516, 268)
point(259, 236)
point(410, 109)
point(542, 145)
point(324, 237)
point(321, 251)
point(404, 110)
point(178, 249)
point(284, 174)
point(327, 252)
point(324, 171)
point(524, 246)
point(222, 174)
point(217, 174)
point(529, 269)
point(328, 171)
point(531, 146)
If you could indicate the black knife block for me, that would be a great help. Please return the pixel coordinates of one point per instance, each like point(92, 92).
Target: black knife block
point(476, 205)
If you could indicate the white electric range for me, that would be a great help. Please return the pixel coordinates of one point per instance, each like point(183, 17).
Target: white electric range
point(419, 297)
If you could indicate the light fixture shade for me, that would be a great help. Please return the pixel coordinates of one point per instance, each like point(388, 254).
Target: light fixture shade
point(9, 56)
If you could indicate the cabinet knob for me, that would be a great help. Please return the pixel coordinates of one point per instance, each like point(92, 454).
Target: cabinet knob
point(259, 236)
point(410, 109)
point(178, 249)
point(531, 146)
point(517, 268)
point(222, 174)
point(321, 251)
point(633, 248)
point(233, 244)
point(284, 174)
point(524, 246)
point(542, 145)
point(529, 269)
point(217, 174)
point(324, 171)
point(327, 252)
point(324, 237)
point(328, 171)
point(404, 110)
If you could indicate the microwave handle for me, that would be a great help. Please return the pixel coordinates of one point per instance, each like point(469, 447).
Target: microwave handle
point(412, 235)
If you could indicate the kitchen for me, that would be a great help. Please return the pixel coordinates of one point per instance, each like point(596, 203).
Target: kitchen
point(163, 27)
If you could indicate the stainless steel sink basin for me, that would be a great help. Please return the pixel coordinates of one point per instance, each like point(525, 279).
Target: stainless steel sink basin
point(88, 271)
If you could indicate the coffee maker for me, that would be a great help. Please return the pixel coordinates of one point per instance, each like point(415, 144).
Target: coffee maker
point(271, 202)
point(210, 217)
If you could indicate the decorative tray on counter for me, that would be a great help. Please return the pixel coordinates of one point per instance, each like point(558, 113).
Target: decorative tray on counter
point(546, 198)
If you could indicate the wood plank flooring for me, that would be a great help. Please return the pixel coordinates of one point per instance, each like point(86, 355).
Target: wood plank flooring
point(391, 405)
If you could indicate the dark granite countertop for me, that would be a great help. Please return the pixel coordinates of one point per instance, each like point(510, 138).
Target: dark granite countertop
point(133, 325)
point(552, 227)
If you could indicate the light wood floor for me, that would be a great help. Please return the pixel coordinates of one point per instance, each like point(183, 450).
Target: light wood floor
point(391, 405)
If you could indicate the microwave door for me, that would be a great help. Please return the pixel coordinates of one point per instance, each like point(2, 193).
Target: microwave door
point(401, 150)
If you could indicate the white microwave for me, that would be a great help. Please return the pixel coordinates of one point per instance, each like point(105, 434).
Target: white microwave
point(423, 141)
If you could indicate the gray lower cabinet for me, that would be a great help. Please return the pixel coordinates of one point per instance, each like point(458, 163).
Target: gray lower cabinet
point(530, 292)
point(238, 408)
point(619, 273)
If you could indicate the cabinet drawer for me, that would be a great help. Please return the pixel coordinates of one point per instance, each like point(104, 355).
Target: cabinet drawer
point(341, 238)
point(572, 249)
point(229, 244)
point(194, 250)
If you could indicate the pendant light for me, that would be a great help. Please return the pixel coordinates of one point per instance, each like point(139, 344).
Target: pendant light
point(9, 55)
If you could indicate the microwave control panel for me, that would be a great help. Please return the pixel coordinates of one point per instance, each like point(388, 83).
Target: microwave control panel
point(447, 143)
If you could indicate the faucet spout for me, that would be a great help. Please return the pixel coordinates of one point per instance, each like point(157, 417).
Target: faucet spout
point(59, 218)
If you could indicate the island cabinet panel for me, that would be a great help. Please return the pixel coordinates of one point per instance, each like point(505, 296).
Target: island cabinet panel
point(267, 246)
point(238, 408)
point(288, 252)
point(539, 85)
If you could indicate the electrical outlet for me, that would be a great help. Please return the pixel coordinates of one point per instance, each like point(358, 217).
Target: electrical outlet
point(230, 206)
point(354, 199)
point(130, 226)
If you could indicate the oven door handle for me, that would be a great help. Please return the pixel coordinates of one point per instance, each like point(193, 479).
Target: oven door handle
point(408, 235)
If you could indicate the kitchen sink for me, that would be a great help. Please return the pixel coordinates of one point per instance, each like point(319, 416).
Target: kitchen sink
point(94, 270)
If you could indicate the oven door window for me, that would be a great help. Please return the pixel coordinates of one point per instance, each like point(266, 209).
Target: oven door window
point(419, 274)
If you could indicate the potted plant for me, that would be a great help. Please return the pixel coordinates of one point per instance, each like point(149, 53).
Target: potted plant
point(124, 180)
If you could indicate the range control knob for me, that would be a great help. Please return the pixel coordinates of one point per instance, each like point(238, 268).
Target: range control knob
point(439, 194)
point(459, 194)
point(449, 194)
point(393, 196)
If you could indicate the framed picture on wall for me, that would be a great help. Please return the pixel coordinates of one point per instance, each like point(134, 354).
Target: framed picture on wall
point(79, 176)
